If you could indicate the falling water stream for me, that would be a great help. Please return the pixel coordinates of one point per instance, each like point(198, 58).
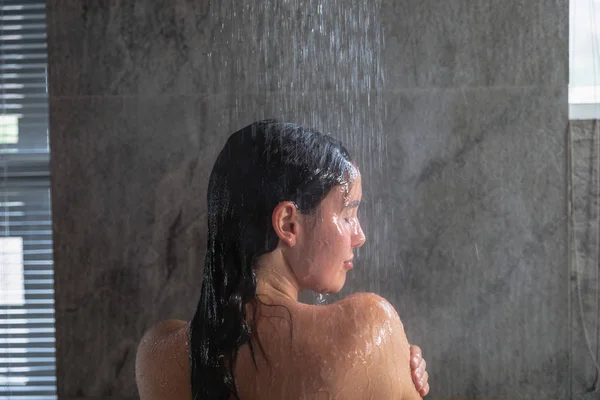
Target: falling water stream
point(321, 299)
point(316, 60)
point(313, 62)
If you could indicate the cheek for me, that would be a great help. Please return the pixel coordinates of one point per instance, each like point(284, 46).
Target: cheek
point(342, 240)
point(340, 226)
point(328, 246)
point(344, 229)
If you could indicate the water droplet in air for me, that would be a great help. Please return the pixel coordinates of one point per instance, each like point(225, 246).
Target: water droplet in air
point(321, 299)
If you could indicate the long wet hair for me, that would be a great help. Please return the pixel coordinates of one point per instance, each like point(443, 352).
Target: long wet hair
point(261, 165)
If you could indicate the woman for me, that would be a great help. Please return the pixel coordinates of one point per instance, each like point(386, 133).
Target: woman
point(282, 217)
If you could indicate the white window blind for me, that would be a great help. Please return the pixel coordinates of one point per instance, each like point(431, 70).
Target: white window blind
point(584, 59)
point(27, 339)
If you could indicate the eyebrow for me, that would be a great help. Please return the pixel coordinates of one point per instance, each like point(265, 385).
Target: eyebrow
point(352, 204)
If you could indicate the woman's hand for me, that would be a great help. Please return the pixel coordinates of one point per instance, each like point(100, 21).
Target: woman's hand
point(417, 367)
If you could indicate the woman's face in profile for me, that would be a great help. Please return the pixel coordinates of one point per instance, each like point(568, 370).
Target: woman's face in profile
point(326, 253)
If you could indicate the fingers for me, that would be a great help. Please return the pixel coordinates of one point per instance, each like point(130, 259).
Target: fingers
point(417, 381)
point(422, 366)
point(425, 390)
point(421, 383)
point(415, 356)
point(415, 350)
point(420, 376)
point(420, 373)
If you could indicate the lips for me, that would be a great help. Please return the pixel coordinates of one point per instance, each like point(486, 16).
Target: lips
point(348, 264)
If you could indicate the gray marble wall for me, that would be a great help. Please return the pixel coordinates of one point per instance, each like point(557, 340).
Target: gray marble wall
point(455, 110)
point(584, 198)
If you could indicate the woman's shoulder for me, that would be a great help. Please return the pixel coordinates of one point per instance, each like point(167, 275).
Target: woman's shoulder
point(372, 334)
point(162, 368)
point(367, 309)
point(348, 320)
point(365, 298)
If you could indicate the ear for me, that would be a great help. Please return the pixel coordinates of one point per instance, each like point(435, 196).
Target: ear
point(285, 222)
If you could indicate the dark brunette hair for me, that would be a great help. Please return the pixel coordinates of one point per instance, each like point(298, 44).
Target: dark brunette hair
point(260, 166)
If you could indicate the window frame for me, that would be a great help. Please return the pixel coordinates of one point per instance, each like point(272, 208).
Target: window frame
point(25, 175)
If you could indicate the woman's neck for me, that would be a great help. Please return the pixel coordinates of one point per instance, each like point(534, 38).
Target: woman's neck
point(275, 278)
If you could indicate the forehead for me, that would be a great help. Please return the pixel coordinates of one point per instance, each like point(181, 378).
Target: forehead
point(356, 188)
point(342, 194)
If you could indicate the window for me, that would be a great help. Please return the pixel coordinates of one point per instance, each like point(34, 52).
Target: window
point(584, 59)
point(27, 339)
point(9, 129)
point(12, 287)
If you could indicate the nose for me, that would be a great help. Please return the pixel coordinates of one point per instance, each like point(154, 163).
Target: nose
point(358, 237)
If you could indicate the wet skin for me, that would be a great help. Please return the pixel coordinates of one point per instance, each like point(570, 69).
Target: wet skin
point(355, 348)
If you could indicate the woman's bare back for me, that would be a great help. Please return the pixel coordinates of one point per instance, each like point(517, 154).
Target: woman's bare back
point(352, 349)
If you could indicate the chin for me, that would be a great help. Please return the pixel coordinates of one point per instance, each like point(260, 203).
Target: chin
point(337, 288)
point(328, 286)
point(332, 289)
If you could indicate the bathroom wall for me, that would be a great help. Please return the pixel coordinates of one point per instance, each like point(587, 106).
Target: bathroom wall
point(584, 196)
point(456, 112)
